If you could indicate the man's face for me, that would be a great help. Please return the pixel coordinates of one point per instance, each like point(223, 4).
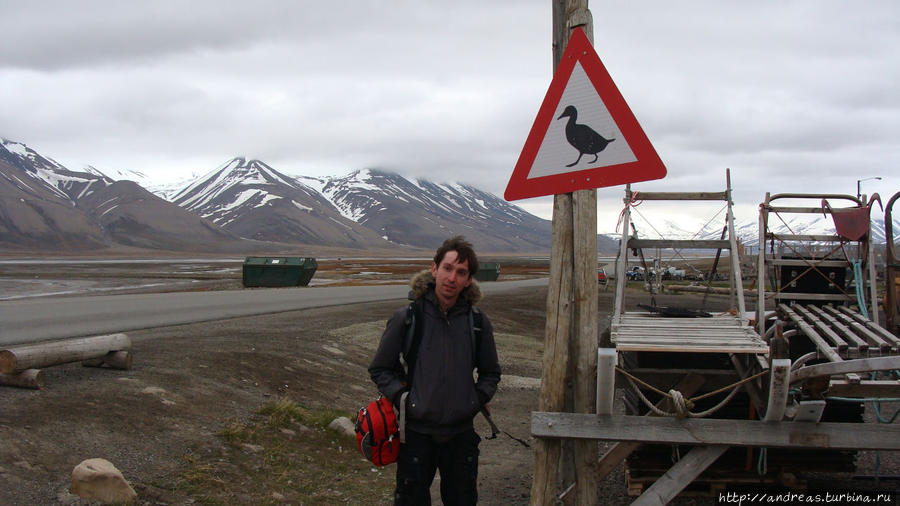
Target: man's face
point(450, 277)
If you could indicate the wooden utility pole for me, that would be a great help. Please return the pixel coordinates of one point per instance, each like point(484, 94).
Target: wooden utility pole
point(571, 329)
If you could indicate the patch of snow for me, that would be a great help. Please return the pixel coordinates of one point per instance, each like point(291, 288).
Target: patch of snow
point(266, 199)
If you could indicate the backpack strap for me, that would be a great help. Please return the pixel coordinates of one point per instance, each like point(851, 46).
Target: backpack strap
point(412, 339)
point(476, 324)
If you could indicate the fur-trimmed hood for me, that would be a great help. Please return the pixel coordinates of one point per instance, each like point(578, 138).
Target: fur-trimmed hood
point(424, 280)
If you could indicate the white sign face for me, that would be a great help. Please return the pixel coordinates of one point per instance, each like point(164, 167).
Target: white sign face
point(561, 153)
point(585, 135)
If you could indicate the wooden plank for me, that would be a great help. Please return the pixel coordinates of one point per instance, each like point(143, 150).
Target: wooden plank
point(796, 209)
point(812, 296)
point(860, 329)
point(680, 475)
point(798, 262)
point(682, 196)
point(804, 237)
point(713, 431)
point(679, 243)
point(865, 388)
point(810, 333)
point(872, 326)
point(845, 331)
point(693, 349)
point(820, 326)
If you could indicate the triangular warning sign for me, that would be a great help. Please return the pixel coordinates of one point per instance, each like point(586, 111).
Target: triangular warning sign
point(584, 136)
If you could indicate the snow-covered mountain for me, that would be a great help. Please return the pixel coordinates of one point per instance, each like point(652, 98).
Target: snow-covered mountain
point(367, 208)
point(253, 200)
point(45, 206)
point(424, 213)
point(50, 174)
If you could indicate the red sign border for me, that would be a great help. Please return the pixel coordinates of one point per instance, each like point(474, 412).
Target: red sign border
point(648, 165)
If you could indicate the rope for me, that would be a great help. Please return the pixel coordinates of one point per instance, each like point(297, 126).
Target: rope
point(632, 202)
point(762, 464)
point(860, 288)
point(682, 405)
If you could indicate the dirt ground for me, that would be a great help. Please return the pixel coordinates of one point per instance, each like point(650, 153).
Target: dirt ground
point(169, 422)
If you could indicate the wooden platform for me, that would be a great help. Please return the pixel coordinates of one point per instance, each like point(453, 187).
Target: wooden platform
point(645, 331)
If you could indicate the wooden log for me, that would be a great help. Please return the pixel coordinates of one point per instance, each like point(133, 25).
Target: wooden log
point(114, 360)
point(50, 353)
point(29, 378)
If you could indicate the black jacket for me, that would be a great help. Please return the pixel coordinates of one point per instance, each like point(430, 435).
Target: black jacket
point(444, 397)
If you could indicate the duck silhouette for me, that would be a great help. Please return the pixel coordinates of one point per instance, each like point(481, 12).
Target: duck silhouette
point(582, 137)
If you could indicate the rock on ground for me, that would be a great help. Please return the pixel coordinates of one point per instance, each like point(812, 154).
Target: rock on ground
point(98, 479)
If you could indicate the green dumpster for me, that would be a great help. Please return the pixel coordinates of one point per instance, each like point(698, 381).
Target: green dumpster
point(488, 271)
point(278, 271)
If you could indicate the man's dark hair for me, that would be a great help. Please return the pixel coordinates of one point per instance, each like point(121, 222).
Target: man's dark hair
point(464, 253)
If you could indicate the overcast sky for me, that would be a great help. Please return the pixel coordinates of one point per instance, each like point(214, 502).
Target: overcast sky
point(793, 96)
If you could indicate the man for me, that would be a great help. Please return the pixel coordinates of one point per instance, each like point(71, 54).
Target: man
point(439, 393)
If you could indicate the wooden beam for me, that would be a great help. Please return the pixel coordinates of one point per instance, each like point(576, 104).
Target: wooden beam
point(50, 353)
point(714, 431)
point(824, 348)
point(860, 328)
point(847, 366)
point(865, 388)
point(682, 196)
point(680, 475)
point(845, 331)
point(872, 326)
point(804, 237)
point(679, 243)
point(797, 262)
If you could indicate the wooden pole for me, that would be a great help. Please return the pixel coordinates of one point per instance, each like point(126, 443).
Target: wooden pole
point(571, 307)
point(49, 353)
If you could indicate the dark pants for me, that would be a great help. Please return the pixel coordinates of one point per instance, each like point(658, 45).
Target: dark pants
point(422, 455)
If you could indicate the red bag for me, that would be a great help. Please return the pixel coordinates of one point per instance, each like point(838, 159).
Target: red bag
point(377, 432)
